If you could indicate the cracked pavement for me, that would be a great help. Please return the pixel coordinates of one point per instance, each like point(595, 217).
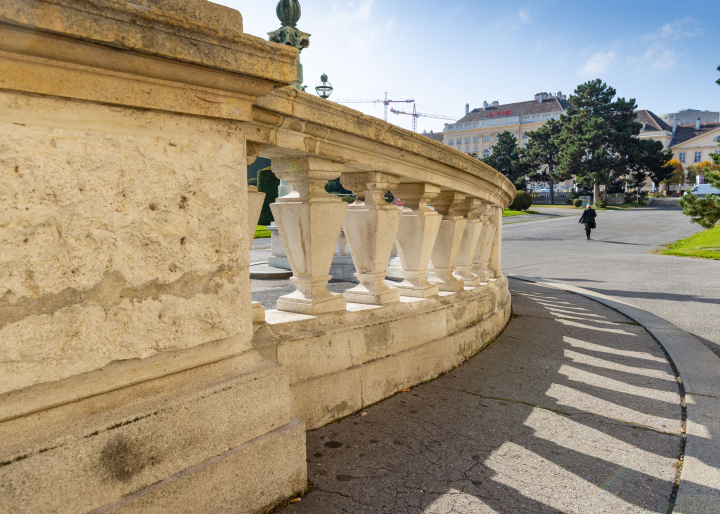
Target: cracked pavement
point(574, 408)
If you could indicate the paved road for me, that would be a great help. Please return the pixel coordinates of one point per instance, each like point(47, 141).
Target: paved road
point(572, 409)
point(545, 213)
point(617, 263)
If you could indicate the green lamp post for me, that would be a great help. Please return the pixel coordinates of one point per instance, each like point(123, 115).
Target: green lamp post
point(288, 12)
point(324, 89)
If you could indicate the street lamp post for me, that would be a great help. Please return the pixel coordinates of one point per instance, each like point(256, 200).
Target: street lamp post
point(324, 89)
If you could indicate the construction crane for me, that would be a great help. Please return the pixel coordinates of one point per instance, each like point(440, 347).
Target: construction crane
point(416, 115)
point(385, 102)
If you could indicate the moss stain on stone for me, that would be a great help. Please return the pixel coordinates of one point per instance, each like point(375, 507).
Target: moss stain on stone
point(123, 458)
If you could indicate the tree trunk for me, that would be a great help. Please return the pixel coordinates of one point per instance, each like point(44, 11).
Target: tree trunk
point(596, 192)
point(550, 180)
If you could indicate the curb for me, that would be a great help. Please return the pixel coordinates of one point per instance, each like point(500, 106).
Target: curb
point(699, 370)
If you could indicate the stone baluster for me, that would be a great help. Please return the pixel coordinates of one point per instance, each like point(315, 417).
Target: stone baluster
point(489, 245)
point(255, 203)
point(415, 238)
point(494, 264)
point(479, 266)
point(470, 209)
point(309, 221)
point(449, 238)
point(370, 227)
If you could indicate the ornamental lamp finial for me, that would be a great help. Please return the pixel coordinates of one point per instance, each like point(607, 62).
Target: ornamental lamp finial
point(288, 12)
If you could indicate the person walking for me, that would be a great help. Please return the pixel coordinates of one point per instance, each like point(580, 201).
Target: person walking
point(588, 217)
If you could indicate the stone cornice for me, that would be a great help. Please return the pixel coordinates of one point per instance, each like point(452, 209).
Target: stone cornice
point(192, 31)
point(289, 120)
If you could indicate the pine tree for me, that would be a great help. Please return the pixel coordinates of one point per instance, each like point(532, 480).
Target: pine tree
point(542, 152)
point(507, 158)
point(598, 142)
point(705, 211)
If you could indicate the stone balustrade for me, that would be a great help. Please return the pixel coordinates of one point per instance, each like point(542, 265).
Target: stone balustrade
point(448, 218)
point(136, 374)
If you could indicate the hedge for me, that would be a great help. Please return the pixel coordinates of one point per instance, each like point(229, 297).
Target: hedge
point(268, 183)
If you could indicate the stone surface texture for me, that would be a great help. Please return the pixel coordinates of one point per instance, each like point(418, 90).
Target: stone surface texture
point(132, 377)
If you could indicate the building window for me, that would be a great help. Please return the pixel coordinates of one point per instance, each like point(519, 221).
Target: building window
point(475, 148)
point(698, 156)
point(497, 137)
point(486, 153)
point(524, 135)
point(451, 142)
point(458, 141)
point(716, 139)
point(467, 148)
point(681, 155)
point(467, 140)
point(476, 139)
point(486, 139)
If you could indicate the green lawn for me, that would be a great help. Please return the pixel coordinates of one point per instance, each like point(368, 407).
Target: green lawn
point(629, 205)
point(261, 231)
point(508, 212)
point(703, 245)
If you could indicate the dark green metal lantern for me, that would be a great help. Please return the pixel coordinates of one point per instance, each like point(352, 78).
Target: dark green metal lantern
point(324, 89)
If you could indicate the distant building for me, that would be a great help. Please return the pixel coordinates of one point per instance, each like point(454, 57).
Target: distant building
point(478, 131)
point(437, 136)
point(690, 143)
point(690, 116)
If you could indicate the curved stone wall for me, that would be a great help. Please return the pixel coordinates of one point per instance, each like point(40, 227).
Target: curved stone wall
point(340, 363)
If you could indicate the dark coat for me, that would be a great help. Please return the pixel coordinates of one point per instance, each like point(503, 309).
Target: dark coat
point(588, 215)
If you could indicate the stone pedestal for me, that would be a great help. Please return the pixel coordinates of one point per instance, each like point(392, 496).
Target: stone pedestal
point(449, 238)
point(370, 226)
point(416, 237)
point(309, 221)
point(471, 209)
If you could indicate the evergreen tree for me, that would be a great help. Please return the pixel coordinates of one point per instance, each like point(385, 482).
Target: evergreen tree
point(542, 152)
point(705, 211)
point(268, 183)
point(635, 182)
point(508, 159)
point(598, 142)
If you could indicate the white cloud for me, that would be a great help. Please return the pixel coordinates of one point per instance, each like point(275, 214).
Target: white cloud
point(351, 12)
point(598, 63)
point(662, 54)
point(524, 15)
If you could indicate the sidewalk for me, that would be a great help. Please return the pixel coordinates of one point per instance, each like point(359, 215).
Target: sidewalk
point(574, 408)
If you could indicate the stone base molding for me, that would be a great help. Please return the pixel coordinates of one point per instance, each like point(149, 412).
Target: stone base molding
point(339, 363)
point(217, 437)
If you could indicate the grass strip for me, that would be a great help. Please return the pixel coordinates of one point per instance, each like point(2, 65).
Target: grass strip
point(510, 212)
point(261, 231)
point(703, 245)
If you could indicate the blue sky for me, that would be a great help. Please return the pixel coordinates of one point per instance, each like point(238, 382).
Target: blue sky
point(448, 53)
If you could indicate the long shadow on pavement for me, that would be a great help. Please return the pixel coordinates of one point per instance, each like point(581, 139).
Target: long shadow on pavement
point(574, 408)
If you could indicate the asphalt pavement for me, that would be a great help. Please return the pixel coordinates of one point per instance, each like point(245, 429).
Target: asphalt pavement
point(574, 408)
point(618, 262)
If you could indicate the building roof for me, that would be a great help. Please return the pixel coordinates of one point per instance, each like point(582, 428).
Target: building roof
point(552, 104)
point(437, 136)
point(651, 121)
point(686, 132)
